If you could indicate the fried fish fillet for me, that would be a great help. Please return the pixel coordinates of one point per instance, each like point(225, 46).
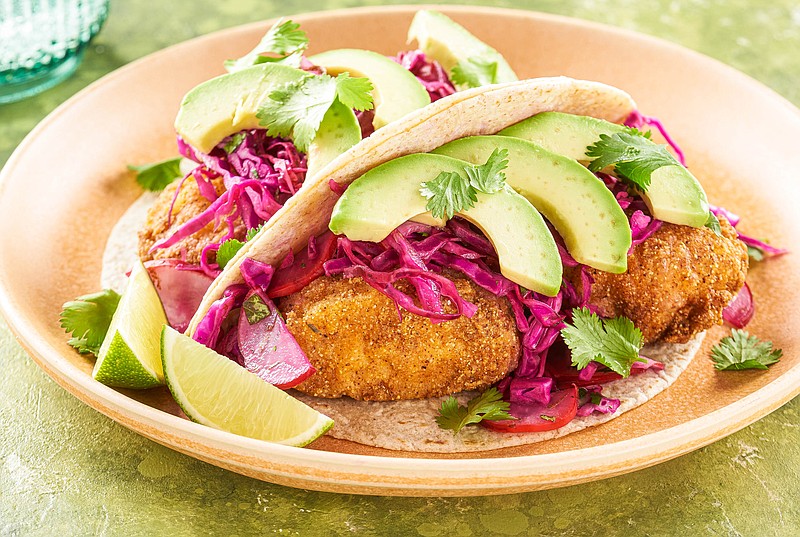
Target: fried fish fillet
point(353, 335)
point(161, 223)
point(678, 282)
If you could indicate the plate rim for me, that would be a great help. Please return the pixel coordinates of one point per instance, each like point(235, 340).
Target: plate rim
point(445, 475)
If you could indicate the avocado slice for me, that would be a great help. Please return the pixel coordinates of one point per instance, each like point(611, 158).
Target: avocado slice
point(449, 43)
point(396, 91)
point(573, 199)
point(675, 195)
point(228, 104)
point(383, 198)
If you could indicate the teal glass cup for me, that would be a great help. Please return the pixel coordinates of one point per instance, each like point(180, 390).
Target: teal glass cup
point(42, 42)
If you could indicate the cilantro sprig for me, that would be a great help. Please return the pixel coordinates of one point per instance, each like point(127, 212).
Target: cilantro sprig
point(283, 43)
point(634, 156)
point(229, 248)
point(156, 176)
point(255, 309)
point(487, 406)
point(297, 109)
point(740, 351)
point(87, 318)
point(450, 193)
point(474, 72)
point(615, 343)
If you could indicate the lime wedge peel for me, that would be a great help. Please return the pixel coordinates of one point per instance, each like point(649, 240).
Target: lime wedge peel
point(130, 356)
point(217, 392)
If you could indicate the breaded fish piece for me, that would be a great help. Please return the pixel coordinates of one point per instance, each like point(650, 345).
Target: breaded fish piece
point(354, 337)
point(678, 282)
point(188, 204)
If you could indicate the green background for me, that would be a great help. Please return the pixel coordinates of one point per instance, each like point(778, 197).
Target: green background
point(67, 470)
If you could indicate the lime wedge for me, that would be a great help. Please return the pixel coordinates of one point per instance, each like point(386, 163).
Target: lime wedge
point(217, 392)
point(130, 356)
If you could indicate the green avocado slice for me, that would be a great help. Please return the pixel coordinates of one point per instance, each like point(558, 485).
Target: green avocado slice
point(229, 103)
point(449, 43)
point(584, 212)
point(383, 198)
point(674, 195)
point(396, 91)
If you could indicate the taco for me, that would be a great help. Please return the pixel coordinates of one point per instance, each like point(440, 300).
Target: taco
point(412, 306)
point(372, 268)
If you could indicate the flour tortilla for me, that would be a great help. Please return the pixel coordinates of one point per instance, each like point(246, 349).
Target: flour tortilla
point(410, 425)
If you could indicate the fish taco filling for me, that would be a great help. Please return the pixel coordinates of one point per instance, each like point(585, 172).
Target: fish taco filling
point(427, 310)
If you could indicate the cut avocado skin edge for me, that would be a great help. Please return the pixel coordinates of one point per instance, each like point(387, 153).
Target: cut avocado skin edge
point(396, 90)
point(380, 200)
point(674, 195)
point(229, 103)
point(449, 43)
point(583, 211)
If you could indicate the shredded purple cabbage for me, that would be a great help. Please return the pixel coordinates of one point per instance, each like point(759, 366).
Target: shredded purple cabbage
point(429, 73)
point(591, 400)
point(766, 249)
point(260, 174)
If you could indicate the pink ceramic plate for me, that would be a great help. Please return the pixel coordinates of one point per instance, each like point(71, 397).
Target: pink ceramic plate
point(67, 184)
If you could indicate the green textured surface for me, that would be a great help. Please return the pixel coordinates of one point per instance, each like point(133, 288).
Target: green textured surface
point(67, 470)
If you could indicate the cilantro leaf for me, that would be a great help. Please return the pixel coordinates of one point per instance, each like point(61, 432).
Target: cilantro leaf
point(233, 142)
point(355, 93)
point(227, 250)
point(487, 406)
point(283, 43)
point(615, 343)
point(252, 232)
point(87, 318)
point(756, 254)
point(740, 350)
point(448, 194)
point(255, 309)
point(633, 155)
point(157, 175)
point(297, 109)
point(712, 223)
point(474, 72)
point(489, 178)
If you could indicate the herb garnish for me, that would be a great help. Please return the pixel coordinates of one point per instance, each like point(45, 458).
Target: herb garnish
point(487, 406)
point(157, 175)
point(87, 318)
point(297, 109)
point(234, 143)
point(614, 343)
point(284, 43)
point(474, 72)
point(740, 350)
point(450, 193)
point(255, 309)
point(229, 248)
point(712, 223)
point(634, 156)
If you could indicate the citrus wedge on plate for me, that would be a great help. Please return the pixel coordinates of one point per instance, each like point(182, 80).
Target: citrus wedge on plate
point(215, 391)
point(130, 356)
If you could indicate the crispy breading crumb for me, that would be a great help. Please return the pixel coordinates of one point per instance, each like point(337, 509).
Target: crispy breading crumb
point(677, 284)
point(188, 204)
point(353, 335)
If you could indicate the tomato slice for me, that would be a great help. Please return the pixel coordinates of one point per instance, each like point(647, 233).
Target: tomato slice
point(562, 408)
point(559, 366)
point(303, 271)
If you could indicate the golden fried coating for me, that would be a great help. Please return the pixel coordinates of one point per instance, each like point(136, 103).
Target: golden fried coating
point(678, 282)
point(354, 337)
point(188, 204)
